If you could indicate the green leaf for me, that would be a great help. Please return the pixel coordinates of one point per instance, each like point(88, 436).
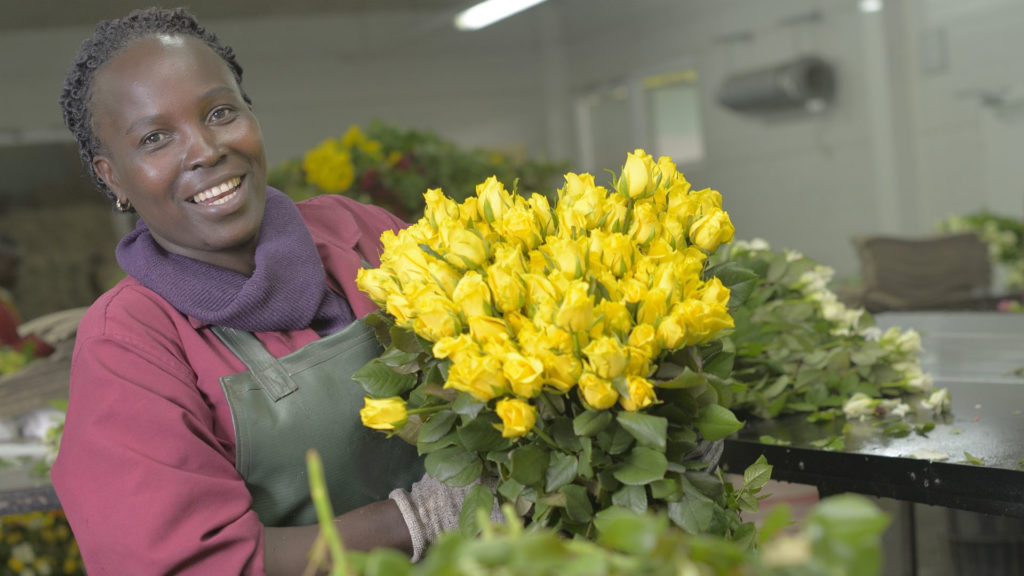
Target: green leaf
point(454, 466)
point(399, 361)
point(757, 474)
point(439, 424)
point(405, 340)
point(777, 519)
point(642, 466)
point(721, 364)
point(632, 498)
point(479, 497)
point(685, 379)
point(590, 422)
point(480, 435)
point(466, 405)
point(562, 470)
point(694, 513)
point(577, 503)
point(648, 430)
point(528, 465)
point(740, 281)
point(628, 532)
point(380, 381)
point(717, 422)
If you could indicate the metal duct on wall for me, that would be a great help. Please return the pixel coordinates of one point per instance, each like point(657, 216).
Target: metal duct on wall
point(807, 84)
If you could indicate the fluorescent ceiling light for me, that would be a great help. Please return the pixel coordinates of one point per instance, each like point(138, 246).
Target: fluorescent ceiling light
point(869, 6)
point(489, 12)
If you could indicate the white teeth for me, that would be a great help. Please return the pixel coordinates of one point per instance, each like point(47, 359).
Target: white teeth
point(217, 191)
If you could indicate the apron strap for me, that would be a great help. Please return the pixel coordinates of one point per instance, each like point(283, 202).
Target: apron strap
point(265, 369)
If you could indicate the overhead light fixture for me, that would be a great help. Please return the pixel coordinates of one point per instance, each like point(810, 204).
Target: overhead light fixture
point(490, 11)
point(869, 6)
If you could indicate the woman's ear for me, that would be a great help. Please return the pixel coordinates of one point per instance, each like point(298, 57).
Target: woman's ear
point(106, 173)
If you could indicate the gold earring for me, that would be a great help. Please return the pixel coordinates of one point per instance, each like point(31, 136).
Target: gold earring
point(125, 206)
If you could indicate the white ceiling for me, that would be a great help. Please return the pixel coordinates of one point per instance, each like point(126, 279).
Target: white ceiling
point(34, 14)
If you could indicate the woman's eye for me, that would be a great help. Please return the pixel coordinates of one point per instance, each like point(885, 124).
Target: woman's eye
point(221, 114)
point(152, 138)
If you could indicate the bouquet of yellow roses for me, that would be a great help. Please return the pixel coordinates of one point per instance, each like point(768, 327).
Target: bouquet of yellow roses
point(572, 354)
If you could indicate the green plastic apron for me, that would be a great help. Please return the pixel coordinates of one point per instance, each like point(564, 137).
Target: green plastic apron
point(307, 399)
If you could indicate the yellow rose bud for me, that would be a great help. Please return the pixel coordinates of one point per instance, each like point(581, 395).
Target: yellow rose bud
point(577, 186)
point(410, 264)
point(703, 321)
point(671, 333)
point(606, 357)
point(612, 318)
point(517, 417)
point(520, 226)
point(487, 329)
point(401, 309)
point(478, 376)
point(505, 278)
point(614, 212)
point(561, 371)
point(639, 363)
point(641, 394)
point(465, 248)
point(539, 291)
point(439, 208)
point(456, 348)
point(377, 283)
point(542, 216)
point(645, 337)
point(646, 225)
point(422, 233)
point(712, 230)
point(617, 252)
point(667, 169)
point(636, 173)
point(597, 392)
point(436, 317)
point(492, 200)
point(576, 311)
point(383, 413)
point(715, 293)
point(653, 307)
point(444, 275)
point(567, 255)
point(524, 375)
point(633, 290)
point(472, 297)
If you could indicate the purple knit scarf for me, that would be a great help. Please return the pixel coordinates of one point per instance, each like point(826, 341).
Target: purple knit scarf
point(287, 290)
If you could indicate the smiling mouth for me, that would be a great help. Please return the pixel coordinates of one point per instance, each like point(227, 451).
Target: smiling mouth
point(218, 194)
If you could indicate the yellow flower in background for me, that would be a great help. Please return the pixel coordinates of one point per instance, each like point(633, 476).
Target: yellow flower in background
point(383, 413)
point(525, 376)
point(472, 297)
point(606, 357)
point(479, 376)
point(517, 417)
point(641, 394)
point(597, 392)
point(711, 230)
point(353, 137)
point(329, 166)
point(580, 203)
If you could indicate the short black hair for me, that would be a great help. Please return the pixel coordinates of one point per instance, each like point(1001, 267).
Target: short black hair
point(108, 38)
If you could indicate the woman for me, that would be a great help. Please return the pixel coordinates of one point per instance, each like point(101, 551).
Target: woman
point(199, 381)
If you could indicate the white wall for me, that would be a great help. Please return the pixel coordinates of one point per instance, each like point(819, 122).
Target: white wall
point(909, 140)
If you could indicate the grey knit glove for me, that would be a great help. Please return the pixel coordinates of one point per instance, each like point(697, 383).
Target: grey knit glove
point(432, 507)
point(707, 452)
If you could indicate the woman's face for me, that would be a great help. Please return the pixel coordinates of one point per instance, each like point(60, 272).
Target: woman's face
point(179, 142)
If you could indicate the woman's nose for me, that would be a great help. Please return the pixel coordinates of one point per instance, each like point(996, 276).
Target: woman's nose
point(204, 149)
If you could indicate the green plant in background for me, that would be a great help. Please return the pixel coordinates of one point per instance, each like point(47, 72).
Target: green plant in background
point(841, 535)
point(1004, 237)
point(14, 359)
point(800, 350)
point(37, 544)
point(392, 167)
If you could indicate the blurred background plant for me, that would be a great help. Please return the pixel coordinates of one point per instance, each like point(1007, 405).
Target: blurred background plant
point(1005, 238)
point(391, 167)
point(38, 544)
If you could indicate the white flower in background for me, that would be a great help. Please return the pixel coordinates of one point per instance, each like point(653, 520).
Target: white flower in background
point(916, 378)
point(859, 406)
point(873, 333)
point(938, 402)
point(787, 551)
point(909, 342)
point(755, 245)
point(893, 406)
point(793, 255)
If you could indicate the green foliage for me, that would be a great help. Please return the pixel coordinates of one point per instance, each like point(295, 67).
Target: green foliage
point(1003, 235)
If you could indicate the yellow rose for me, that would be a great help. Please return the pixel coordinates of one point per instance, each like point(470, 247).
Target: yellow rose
point(711, 230)
point(633, 290)
point(614, 209)
point(444, 275)
point(577, 186)
point(561, 371)
point(617, 252)
point(576, 311)
point(519, 225)
point(646, 224)
point(606, 357)
point(703, 321)
point(457, 348)
point(580, 202)
point(329, 166)
point(671, 333)
point(478, 376)
point(517, 417)
point(666, 168)
point(487, 328)
point(401, 309)
point(492, 200)
point(567, 255)
point(439, 208)
point(353, 136)
point(639, 363)
point(653, 307)
point(597, 392)
point(505, 278)
point(539, 291)
point(524, 375)
point(715, 293)
point(464, 248)
point(410, 264)
point(636, 174)
point(383, 413)
point(641, 394)
point(377, 283)
point(542, 215)
point(645, 337)
point(472, 297)
point(612, 318)
point(436, 317)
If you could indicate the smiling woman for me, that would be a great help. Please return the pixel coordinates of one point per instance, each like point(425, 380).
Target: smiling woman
point(188, 415)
